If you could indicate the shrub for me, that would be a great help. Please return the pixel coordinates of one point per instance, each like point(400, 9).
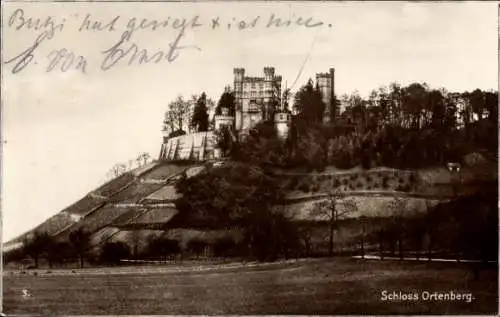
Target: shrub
point(385, 182)
point(292, 184)
point(197, 246)
point(161, 247)
point(369, 179)
point(176, 133)
point(113, 252)
point(412, 179)
point(225, 247)
point(336, 183)
point(406, 188)
point(303, 187)
point(366, 161)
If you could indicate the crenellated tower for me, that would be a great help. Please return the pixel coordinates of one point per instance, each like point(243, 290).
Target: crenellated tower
point(268, 73)
point(255, 99)
point(239, 75)
point(326, 83)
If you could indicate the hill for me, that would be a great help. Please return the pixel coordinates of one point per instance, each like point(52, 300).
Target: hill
point(140, 203)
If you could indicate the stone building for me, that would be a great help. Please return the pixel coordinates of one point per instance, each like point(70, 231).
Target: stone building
point(326, 84)
point(255, 97)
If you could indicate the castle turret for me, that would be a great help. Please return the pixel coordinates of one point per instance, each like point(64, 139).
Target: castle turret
point(224, 119)
point(326, 84)
point(239, 75)
point(282, 121)
point(268, 73)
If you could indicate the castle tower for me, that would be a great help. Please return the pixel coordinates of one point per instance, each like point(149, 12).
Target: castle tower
point(268, 73)
point(283, 117)
point(326, 83)
point(239, 75)
point(224, 119)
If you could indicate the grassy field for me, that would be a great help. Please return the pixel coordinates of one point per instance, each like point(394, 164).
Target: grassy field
point(326, 286)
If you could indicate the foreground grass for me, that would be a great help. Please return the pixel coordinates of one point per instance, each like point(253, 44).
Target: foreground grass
point(327, 286)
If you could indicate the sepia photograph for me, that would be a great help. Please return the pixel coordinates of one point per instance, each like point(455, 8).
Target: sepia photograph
point(249, 158)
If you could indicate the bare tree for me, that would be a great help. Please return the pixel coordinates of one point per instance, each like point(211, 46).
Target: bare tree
point(136, 238)
point(36, 245)
point(397, 206)
point(331, 211)
point(143, 159)
point(177, 115)
point(364, 222)
point(130, 164)
point(116, 170)
point(138, 160)
point(80, 240)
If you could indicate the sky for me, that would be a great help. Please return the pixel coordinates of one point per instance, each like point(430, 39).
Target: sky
point(63, 131)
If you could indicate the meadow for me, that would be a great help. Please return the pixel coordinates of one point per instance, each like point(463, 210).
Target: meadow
point(313, 286)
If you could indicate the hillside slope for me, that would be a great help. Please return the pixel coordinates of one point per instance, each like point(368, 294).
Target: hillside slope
point(143, 198)
point(118, 198)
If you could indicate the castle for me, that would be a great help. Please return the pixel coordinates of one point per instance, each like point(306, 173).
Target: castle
point(256, 99)
point(326, 84)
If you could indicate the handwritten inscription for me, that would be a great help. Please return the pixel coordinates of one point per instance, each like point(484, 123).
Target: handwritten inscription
point(126, 50)
point(65, 60)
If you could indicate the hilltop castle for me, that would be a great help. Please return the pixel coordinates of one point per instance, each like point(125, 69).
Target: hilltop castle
point(326, 84)
point(256, 99)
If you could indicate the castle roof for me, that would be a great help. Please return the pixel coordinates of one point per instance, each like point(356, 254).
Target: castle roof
point(253, 79)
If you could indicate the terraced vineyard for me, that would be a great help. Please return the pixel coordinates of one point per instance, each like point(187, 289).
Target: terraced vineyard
point(98, 219)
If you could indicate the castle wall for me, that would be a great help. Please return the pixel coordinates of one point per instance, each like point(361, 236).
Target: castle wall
point(193, 146)
point(223, 121)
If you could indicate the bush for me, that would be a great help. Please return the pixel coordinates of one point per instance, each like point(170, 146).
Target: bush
point(197, 246)
point(159, 247)
point(385, 182)
point(303, 187)
point(336, 183)
point(406, 188)
point(293, 183)
point(113, 252)
point(412, 179)
point(176, 133)
point(225, 247)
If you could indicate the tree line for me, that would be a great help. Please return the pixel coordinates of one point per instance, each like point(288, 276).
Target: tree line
point(188, 115)
point(120, 168)
point(383, 130)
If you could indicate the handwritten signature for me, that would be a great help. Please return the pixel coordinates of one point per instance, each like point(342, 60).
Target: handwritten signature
point(125, 51)
point(118, 52)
